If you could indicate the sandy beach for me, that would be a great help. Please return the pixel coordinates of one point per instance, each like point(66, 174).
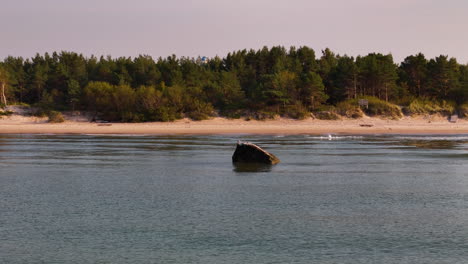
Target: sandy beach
point(19, 124)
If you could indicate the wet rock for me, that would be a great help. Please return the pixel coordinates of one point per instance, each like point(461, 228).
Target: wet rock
point(250, 153)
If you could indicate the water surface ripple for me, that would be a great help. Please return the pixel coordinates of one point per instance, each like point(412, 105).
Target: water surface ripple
point(178, 199)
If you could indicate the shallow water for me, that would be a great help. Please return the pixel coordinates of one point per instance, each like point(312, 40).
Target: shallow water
point(164, 199)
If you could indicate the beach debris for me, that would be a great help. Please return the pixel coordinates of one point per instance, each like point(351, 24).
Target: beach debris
point(453, 118)
point(366, 125)
point(364, 102)
point(247, 152)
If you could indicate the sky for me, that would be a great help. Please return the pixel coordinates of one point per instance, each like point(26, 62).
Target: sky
point(215, 27)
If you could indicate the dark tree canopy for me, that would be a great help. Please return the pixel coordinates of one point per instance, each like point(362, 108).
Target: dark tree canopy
point(266, 82)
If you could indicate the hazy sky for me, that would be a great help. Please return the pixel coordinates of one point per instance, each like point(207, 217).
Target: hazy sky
point(215, 27)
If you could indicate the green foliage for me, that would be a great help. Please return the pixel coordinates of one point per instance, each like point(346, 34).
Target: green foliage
point(377, 75)
point(74, 92)
point(98, 96)
point(343, 80)
point(421, 106)
point(460, 93)
point(22, 104)
point(165, 114)
point(149, 102)
point(264, 114)
point(444, 79)
point(45, 104)
point(413, 72)
point(235, 114)
point(327, 115)
point(313, 91)
point(349, 109)
point(230, 96)
point(4, 79)
point(112, 102)
point(377, 107)
point(199, 110)
point(6, 113)
point(55, 117)
point(175, 98)
point(296, 111)
point(463, 110)
point(261, 84)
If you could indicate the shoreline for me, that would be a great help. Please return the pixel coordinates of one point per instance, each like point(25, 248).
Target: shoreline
point(18, 124)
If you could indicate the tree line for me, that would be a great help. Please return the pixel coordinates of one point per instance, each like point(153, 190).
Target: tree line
point(260, 83)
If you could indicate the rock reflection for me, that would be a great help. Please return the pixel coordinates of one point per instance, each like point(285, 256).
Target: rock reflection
point(251, 167)
point(431, 144)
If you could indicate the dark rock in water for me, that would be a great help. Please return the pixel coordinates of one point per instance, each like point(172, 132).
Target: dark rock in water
point(251, 153)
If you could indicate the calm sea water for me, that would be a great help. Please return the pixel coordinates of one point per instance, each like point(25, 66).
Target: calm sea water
point(178, 199)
